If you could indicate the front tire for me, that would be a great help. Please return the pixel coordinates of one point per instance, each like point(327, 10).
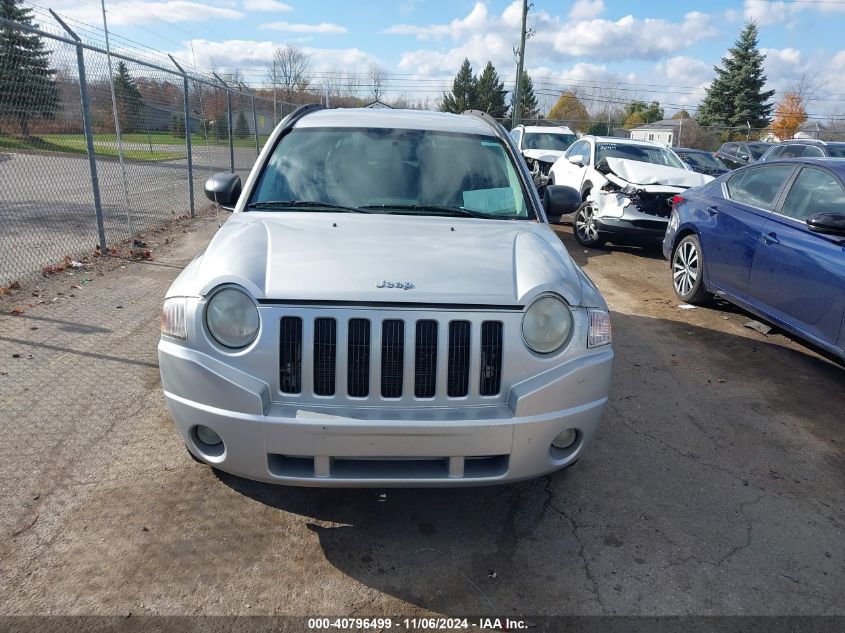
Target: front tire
point(585, 228)
point(688, 271)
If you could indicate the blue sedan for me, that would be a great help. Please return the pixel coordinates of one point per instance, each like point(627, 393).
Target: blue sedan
point(769, 238)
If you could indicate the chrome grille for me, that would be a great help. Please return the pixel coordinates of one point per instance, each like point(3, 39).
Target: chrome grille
point(406, 358)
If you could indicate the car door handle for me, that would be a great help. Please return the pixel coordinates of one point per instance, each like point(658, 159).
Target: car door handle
point(712, 210)
point(770, 238)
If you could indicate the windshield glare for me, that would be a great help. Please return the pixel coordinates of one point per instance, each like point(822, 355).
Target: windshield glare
point(548, 140)
point(702, 160)
point(641, 153)
point(392, 170)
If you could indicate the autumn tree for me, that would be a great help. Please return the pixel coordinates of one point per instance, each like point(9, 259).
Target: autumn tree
point(650, 112)
point(789, 116)
point(681, 114)
point(571, 111)
point(635, 119)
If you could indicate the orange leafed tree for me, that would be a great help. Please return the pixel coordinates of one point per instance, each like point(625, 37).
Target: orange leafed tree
point(789, 116)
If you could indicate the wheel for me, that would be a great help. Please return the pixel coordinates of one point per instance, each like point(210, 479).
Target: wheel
point(688, 271)
point(584, 226)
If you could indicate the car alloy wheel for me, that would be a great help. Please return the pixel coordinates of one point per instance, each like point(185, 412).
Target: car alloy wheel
point(685, 268)
point(586, 229)
point(688, 271)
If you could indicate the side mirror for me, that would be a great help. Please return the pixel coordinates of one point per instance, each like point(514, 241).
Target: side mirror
point(224, 189)
point(828, 223)
point(559, 200)
point(744, 157)
point(575, 159)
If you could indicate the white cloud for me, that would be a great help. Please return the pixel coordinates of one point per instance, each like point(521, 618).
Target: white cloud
point(481, 36)
point(767, 12)
point(248, 55)
point(586, 9)
point(266, 5)
point(323, 27)
point(630, 37)
point(142, 12)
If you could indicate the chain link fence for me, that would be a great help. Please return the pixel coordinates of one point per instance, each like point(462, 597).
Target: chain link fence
point(97, 148)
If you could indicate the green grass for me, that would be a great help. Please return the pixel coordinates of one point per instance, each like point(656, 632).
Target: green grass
point(106, 144)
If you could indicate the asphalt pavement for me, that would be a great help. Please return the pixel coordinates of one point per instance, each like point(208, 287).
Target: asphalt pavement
point(715, 484)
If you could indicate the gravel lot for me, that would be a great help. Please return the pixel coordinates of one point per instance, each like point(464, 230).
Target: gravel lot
point(716, 484)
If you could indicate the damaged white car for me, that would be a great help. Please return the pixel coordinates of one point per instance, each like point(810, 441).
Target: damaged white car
point(541, 146)
point(626, 186)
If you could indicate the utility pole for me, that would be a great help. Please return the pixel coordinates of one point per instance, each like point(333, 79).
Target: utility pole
point(517, 96)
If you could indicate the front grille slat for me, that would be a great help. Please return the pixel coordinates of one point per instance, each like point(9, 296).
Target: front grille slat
point(325, 350)
point(491, 358)
point(290, 355)
point(392, 357)
point(459, 351)
point(425, 362)
point(358, 355)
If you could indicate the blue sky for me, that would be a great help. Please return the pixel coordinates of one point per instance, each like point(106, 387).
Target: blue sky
point(650, 48)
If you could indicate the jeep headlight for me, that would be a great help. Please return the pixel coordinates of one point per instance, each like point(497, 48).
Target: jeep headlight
point(547, 324)
point(232, 318)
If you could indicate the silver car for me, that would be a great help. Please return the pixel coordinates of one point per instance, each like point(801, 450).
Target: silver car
point(386, 306)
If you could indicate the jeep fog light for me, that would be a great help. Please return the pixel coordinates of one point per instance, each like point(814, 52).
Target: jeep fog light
point(208, 436)
point(600, 332)
point(565, 439)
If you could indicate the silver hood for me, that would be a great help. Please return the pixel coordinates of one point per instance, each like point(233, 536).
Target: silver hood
point(342, 257)
point(544, 155)
point(640, 173)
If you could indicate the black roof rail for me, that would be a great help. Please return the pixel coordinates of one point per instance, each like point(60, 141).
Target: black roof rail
point(301, 111)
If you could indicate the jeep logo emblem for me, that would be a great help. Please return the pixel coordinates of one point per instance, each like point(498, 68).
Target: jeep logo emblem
point(403, 285)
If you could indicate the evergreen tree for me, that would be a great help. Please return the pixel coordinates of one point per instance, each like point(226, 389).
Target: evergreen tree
point(736, 97)
point(528, 105)
point(491, 93)
point(128, 97)
point(241, 126)
point(464, 95)
point(27, 86)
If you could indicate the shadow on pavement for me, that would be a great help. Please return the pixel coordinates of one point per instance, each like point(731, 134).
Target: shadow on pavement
point(697, 423)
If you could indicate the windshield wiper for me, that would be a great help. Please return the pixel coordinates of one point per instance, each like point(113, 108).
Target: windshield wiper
point(281, 205)
point(432, 208)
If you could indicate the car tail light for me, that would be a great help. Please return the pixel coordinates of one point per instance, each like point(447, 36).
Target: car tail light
point(677, 201)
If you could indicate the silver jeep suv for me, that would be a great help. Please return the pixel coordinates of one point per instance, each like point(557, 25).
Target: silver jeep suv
point(386, 306)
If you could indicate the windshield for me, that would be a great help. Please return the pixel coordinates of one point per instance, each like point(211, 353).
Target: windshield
point(387, 170)
point(701, 159)
point(837, 150)
point(758, 149)
point(548, 140)
point(641, 153)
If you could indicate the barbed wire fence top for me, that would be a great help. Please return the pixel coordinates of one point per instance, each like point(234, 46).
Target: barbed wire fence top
point(84, 169)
